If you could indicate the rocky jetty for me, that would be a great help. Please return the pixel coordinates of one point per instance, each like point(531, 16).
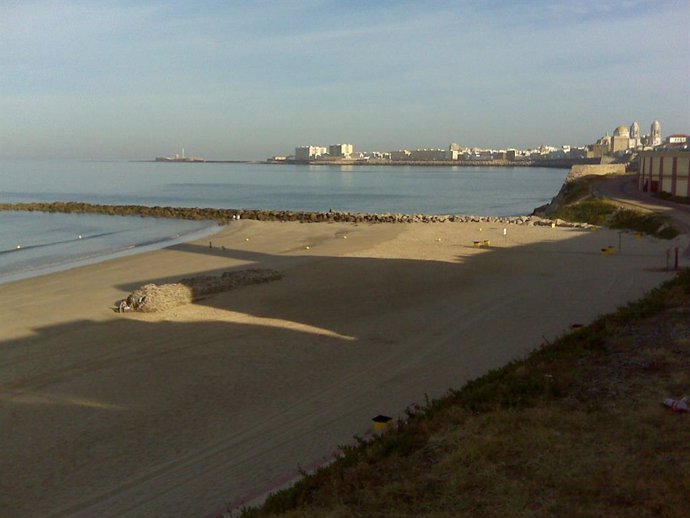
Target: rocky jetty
point(224, 216)
point(160, 297)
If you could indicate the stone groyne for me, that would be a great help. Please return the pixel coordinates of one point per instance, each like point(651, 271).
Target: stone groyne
point(225, 216)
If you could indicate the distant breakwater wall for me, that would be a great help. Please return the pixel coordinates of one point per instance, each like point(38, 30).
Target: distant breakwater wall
point(563, 163)
point(225, 216)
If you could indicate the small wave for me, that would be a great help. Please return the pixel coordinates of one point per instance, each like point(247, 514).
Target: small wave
point(21, 248)
point(153, 242)
point(67, 255)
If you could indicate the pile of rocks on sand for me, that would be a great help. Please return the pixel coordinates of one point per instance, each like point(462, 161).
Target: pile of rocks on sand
point(159, 297)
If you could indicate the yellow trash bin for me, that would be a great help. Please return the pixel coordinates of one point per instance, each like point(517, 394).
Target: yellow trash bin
point(382, 422)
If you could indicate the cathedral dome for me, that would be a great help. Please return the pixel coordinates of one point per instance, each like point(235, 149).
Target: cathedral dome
point(621, 131)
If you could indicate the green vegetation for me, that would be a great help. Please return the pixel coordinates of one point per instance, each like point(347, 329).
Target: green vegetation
point(575, 429)
point(598, 211)
point(578, 189)
point(651, 223)
point(670, 197)
point(592, 210)
point(580, 205)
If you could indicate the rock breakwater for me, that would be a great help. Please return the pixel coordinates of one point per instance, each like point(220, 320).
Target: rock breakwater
point(225, 216)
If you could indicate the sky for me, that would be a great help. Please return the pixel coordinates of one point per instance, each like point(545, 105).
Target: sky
point(243, 80)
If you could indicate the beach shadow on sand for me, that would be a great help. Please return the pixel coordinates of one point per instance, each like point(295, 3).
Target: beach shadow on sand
point(188, 410)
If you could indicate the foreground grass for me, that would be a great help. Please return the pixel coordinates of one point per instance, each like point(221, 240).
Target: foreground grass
point(670, 197)
point(575, 429)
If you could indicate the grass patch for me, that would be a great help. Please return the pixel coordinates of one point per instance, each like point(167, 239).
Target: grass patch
point(577, 190)
point(578, 204)
point(594, 211)
point(650, 223)
point(670, 197)
point(575, 429)
point(601, 212)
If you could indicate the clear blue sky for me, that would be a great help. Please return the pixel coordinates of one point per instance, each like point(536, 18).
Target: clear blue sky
point(250, 79)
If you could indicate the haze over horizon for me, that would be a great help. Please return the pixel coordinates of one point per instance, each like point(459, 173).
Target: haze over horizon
point(132, 80)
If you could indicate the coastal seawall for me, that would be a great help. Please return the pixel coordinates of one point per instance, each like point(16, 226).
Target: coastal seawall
point(580, 170)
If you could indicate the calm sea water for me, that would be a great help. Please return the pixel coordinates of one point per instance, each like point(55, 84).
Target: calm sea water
point(50, 241)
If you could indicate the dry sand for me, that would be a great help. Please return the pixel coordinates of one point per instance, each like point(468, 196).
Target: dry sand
point(177, 413)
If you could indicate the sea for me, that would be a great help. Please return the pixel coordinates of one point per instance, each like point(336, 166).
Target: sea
point(33, 243)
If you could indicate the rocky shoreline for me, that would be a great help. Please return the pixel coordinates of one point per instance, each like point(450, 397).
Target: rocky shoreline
point(225, 216)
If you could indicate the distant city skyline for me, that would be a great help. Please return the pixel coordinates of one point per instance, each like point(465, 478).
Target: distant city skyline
point(131, 80)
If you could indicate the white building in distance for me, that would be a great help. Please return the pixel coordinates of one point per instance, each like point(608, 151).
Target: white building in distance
point(341, 150)
point(454, 151)
point(309, 152)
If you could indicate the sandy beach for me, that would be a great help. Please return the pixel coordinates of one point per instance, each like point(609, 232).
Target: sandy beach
point(180, 412)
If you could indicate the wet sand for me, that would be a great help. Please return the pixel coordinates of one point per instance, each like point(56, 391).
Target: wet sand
point(178, 413)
